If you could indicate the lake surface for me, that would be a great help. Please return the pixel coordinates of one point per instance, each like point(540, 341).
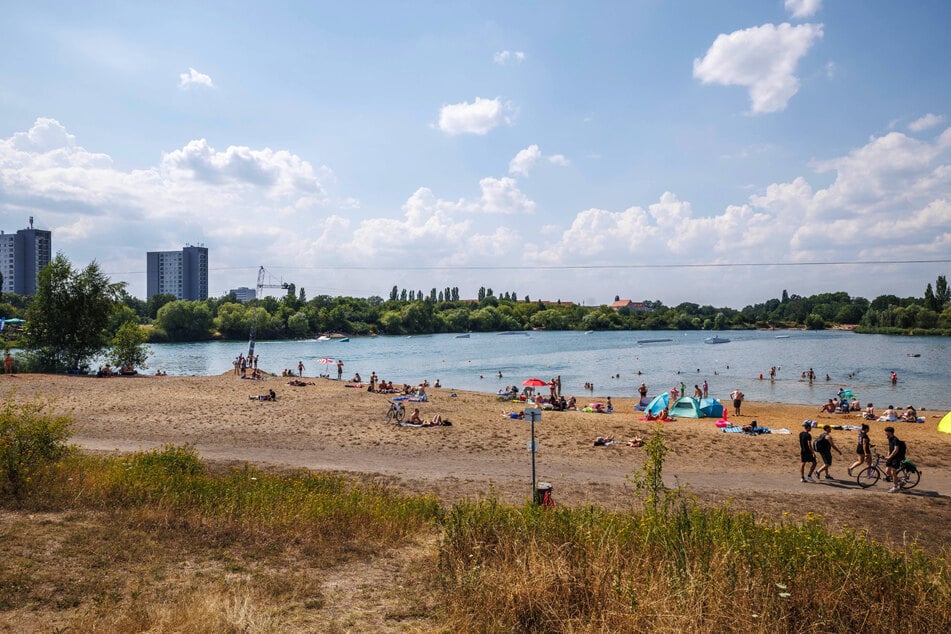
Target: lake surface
point(474, 363)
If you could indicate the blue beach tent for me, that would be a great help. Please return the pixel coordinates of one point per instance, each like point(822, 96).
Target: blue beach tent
point(686, 407)
point(711, 408)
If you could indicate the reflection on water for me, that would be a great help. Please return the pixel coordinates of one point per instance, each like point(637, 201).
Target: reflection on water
point(861, 363)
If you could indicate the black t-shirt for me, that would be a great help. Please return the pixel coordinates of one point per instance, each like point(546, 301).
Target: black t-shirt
point(892, 443)
point(805, 442)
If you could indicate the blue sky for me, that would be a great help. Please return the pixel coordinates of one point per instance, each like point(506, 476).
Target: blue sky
point(682, 151)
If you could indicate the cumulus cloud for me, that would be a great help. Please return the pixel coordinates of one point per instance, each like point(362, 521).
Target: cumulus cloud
point(803, 8)
point(763, 59)
point(508, 57)
point(479, 117)
point(891, 195)
point(925, 122)
point(194, 78)
point(525, 160)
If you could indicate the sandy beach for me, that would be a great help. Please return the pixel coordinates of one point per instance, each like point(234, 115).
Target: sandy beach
point(328, 426)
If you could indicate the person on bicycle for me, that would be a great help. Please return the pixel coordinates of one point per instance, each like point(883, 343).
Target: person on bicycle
point(806, 453)
point(896, 453)
point(863, 450)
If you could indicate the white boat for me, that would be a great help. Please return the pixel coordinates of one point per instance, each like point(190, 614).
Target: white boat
point(465, 336)
point(716, 340)
point(782, 336)
point(323, 338)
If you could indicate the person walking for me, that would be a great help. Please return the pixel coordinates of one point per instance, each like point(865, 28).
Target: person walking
point(339, 369)
point(806, 454)
point(300, 368)
point(824, 446)
point(737, 397)
point(896, 453)
point(706, 389)
point(863, 450)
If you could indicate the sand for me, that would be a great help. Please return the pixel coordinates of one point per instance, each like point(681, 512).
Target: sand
point(328, 426)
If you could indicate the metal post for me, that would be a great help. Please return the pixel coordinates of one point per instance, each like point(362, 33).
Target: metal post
point(534, 488)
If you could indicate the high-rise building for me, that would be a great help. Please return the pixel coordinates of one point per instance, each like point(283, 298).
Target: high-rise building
point(243, 294)
point(183, 274)
point(22, 256)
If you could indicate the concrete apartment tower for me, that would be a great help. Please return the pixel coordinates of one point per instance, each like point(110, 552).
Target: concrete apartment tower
point(22, 256)
point(183, 274)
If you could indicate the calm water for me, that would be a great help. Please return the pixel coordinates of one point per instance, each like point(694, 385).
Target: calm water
point(597, 357)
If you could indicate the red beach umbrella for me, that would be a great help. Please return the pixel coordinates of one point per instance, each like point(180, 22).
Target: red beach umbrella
point(326, 361)
point(533, 382)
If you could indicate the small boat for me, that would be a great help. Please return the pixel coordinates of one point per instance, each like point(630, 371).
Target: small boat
point(588, 332)
point(465, 336)
point(653, 340)
point(914, 354)
point(716, 340)
point(782, 336)
point(514, 332)
point(343, 340)
point(323, 338)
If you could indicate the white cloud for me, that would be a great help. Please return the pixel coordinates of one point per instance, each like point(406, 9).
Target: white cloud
point(479, 117)
point(194, 78)
point(763, 59)
point(508, 57)
point(526, 159)
point(925, 122)
point(803, 8)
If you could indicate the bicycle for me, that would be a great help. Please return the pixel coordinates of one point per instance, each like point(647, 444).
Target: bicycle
point(395, 413)
point(907, 475)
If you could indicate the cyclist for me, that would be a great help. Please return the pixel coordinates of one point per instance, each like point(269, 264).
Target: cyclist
point(896, 453)
point(863, 450)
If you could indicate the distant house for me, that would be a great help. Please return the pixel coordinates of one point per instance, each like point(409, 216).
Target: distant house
point(618, 304)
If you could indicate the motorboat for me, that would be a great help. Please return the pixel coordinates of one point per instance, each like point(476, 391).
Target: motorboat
point(465, 336)
point(716, 340)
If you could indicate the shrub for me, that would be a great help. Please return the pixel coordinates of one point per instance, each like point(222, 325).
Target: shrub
point(30, 441)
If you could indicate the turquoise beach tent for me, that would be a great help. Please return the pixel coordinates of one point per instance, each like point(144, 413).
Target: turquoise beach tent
point(711, 408)
point(658, 403)
point(945, 424)
point(686, 407)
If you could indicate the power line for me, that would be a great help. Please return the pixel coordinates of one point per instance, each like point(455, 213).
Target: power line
point(570, 267)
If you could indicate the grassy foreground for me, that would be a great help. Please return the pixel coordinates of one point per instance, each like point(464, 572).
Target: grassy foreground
point(155, 541)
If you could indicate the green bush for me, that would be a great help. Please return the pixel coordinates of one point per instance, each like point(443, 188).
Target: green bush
point(30, 441)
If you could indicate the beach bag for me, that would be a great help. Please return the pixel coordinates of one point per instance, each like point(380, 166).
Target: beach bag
point(821, 443)
point(909, 466)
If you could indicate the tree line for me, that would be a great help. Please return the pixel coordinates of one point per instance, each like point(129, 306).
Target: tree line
point(77, 315)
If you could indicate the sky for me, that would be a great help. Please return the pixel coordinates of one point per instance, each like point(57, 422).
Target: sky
point(691, 151)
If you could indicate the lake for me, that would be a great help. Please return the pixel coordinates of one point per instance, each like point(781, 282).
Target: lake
point(474, 363)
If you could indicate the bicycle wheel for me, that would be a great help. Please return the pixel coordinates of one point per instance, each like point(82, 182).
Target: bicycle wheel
point(868, 476)
point(399, 414)
point(390, 414)
point(907, 479)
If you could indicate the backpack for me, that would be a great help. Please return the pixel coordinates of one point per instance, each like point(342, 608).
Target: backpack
point(821, 443)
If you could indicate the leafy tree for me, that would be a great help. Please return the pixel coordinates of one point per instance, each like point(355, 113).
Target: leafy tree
point(156, 302)
point(185, 321)
point(68, 317)
point(941, 291)
point(129, 348)
point(931, 301)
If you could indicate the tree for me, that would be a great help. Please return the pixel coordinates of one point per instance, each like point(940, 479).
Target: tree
point(941, 290)
point(129, 348)
point(156, 302)
point(68, 317)
point(185, 321)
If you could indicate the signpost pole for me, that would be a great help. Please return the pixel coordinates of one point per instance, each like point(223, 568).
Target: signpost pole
point(534, 488)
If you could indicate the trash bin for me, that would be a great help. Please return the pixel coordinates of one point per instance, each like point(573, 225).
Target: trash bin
point(543, 494)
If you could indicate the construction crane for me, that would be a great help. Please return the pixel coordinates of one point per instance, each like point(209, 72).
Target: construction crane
point(258, 294)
